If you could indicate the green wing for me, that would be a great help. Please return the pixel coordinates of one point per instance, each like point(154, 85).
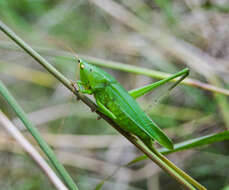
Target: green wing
point(132, 110)
point(153, 131)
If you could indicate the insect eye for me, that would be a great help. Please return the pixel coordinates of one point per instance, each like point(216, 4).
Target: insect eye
point(82, 66)
point(78, 60)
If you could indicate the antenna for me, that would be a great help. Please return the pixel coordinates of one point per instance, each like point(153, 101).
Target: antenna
point(62, 44)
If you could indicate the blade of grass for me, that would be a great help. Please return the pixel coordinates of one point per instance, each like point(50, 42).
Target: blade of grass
point(35, 133)
point(123, 67)
point(208, 139)
point(151, 73)
point(193, 143)
point(31, 151)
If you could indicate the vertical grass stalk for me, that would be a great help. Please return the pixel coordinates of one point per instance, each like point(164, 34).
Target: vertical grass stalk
point(35, 133)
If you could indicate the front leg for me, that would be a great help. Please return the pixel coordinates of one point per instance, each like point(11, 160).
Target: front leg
point(82, 89)
point(105, 111)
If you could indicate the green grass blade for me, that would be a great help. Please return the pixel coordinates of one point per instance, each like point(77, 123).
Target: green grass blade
point(35, 133)
point(193, 143)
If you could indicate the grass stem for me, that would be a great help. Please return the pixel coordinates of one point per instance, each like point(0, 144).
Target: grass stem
point(87, 101)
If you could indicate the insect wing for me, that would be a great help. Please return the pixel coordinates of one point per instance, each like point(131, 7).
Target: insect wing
point(156, 96)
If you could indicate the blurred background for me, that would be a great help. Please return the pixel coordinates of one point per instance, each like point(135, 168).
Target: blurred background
point(159, 35)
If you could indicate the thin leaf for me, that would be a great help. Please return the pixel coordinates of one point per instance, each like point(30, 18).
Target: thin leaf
point(189, 144)
point(35, 133)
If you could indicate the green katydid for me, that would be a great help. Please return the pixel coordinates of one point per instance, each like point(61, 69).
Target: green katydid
point(120, 105)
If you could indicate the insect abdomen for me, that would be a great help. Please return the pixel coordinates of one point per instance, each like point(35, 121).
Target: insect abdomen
point(113, 102)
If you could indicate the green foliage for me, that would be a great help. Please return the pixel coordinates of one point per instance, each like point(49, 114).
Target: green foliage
point(186, 114)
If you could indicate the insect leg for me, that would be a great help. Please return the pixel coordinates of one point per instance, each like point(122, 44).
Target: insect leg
point(82, 89)
point(104, 110)
point(135, 93)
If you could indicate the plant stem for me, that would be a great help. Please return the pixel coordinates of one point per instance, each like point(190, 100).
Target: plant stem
point(124, 67)
point(193, 143)
point(142, 71)
point(35, 55)
point(154, 74)
point(35, 133)
point(179, 171)
point(165, 164)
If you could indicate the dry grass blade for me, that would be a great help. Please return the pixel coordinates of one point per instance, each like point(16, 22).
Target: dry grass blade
point(5, 122)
